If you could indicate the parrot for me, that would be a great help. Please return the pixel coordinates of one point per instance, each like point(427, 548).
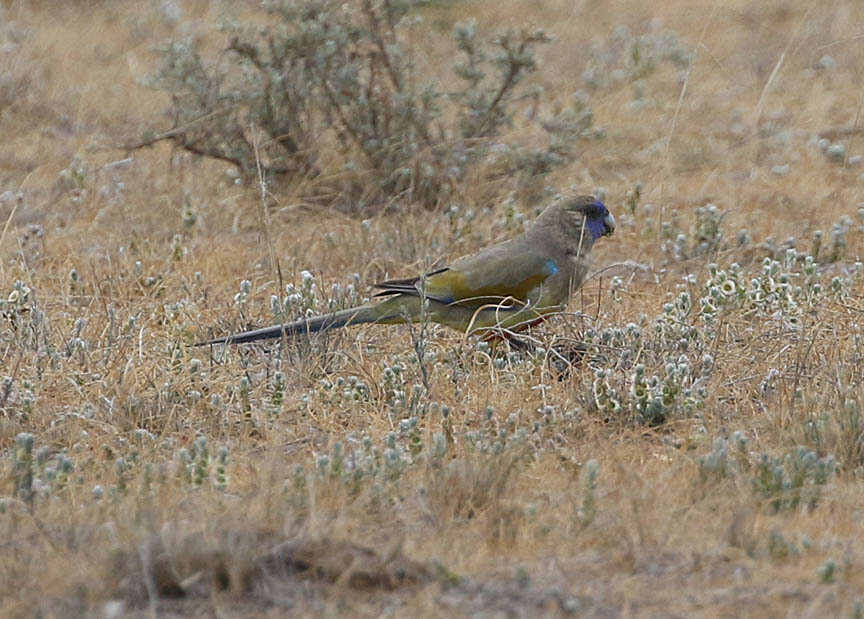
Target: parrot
point(503, 288)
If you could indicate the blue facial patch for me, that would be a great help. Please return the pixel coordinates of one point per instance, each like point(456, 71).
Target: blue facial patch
point(595, 218)
point(550, 267)
point(596, 227)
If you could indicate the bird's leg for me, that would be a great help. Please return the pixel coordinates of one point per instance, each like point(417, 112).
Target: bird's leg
point(572, 352)
point(512, 335)
point(562, 357)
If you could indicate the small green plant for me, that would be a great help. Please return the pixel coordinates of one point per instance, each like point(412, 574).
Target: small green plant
point(22, 469)
point(793, 481)
point(588, 510)
point(671, 386)
point(706, 237)
point(828, 571)
point(716, 462)
point(727, 458)
point(222, 469)
point(780, 548)
point(201, 461)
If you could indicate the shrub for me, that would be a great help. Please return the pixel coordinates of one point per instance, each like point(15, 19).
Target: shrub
point(325, 75)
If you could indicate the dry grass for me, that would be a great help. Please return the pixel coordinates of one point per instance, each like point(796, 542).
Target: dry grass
point(471, 511)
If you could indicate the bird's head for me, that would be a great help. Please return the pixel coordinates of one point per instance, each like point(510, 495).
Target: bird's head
point(594, 213)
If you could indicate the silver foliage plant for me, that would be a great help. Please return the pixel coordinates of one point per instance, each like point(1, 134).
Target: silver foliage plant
point(323, 76)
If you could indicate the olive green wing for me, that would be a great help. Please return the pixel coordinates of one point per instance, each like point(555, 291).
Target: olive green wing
point(506, 271)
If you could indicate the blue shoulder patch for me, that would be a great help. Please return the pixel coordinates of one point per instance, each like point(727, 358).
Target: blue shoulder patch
point(550, 267)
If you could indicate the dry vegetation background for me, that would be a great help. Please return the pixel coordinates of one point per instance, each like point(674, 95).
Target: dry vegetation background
point(705, 459)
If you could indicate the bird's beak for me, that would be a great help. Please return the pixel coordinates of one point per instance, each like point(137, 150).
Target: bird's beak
point(609, 222)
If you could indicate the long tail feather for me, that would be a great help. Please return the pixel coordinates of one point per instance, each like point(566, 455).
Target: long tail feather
point(376, 312)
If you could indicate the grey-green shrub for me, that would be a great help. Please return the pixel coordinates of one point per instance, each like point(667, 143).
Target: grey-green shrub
point(326, 75)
